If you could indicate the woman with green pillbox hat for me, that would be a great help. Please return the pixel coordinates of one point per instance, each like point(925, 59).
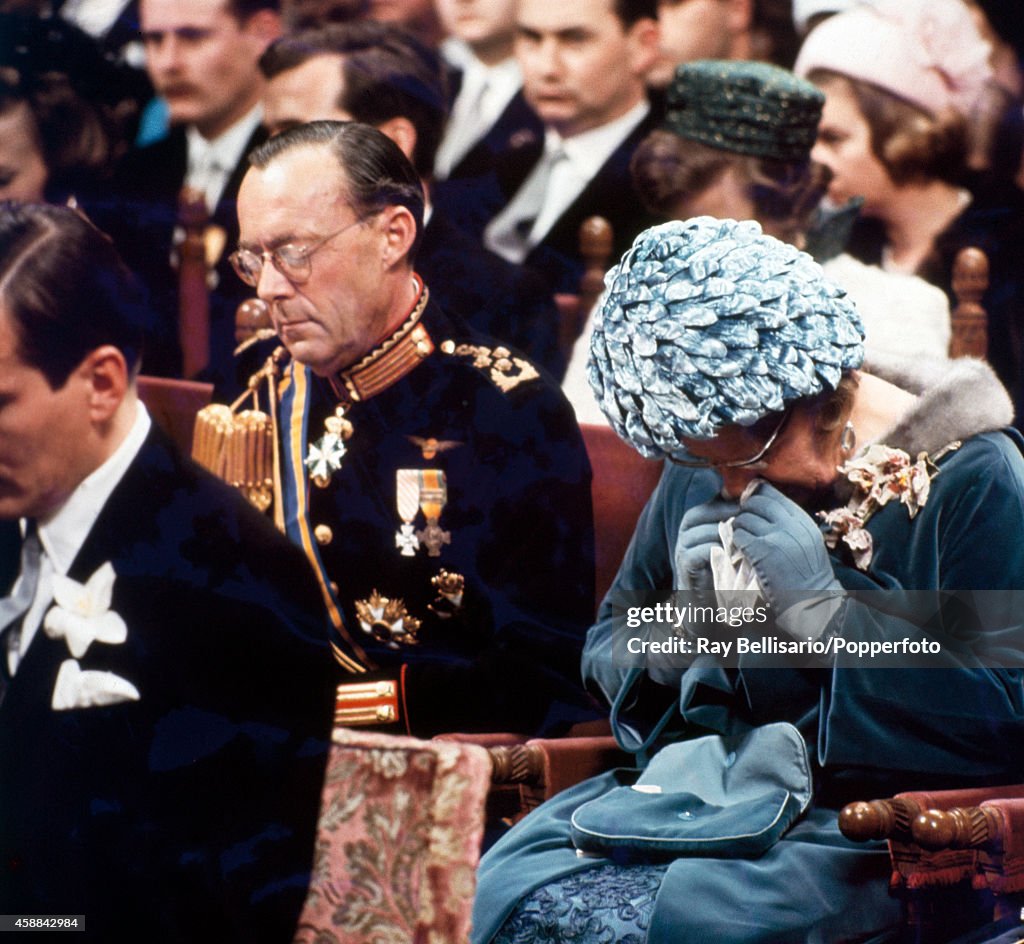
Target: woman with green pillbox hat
point(736, 143)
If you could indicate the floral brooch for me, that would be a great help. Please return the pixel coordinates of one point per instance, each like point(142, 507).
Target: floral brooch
point(879, 475)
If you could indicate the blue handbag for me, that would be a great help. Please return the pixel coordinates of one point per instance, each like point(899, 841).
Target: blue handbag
point(722, 796)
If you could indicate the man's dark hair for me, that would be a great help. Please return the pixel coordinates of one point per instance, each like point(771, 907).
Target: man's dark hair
point(377, 174)
point(66, 290)
point(241, 10)
point(386, 73)
point(629, 11)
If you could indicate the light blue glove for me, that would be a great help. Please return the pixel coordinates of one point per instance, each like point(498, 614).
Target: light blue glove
point(787, 551)
point(698, 534)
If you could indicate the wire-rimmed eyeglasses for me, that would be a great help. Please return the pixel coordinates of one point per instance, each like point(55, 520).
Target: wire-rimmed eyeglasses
point(756, 461)
point(293, 261)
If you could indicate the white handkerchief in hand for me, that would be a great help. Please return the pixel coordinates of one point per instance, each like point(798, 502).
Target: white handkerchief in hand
point(735, 581)
point(76, 688)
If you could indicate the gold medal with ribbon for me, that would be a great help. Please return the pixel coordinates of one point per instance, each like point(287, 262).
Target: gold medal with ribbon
point(407, 491)
point(433, 488)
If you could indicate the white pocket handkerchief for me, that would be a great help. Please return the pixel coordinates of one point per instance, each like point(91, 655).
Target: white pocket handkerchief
point(76, 688)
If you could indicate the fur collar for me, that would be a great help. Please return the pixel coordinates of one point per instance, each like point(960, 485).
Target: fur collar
point(957, 399)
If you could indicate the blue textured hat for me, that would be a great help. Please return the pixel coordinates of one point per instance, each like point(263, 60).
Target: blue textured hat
point(708, 323)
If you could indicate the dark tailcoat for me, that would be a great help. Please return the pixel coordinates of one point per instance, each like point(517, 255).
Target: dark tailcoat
point(557, 257)
point(508, 302)
point(189, 814)
point(609, 194)
point(472, 193)
point(518, 514)
point(141, 217)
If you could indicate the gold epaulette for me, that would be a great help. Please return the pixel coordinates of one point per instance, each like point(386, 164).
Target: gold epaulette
point(506, 370)
point(240, 445)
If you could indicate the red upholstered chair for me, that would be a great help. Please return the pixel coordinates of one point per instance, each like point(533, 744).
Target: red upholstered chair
point(193, 255)
point(173, 404)
point(398, 841)
point(526, 772)
point(623, 481)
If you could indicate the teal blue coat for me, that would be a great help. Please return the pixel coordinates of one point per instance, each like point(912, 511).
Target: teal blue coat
point(869, 731)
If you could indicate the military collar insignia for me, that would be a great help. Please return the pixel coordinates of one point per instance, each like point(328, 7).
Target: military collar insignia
point(382, 367)
point(390, 361)
point(505, 369)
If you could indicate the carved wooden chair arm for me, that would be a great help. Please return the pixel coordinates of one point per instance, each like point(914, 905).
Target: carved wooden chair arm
point(908, 817)
point(962, 827)
point(526, 772)
point(864, 821)
point(517, 763)
point(551, 765)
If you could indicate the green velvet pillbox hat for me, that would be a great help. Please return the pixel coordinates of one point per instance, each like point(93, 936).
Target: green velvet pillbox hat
point(744, 107)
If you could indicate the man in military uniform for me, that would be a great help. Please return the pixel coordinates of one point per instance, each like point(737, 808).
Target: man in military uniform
point(437, 482)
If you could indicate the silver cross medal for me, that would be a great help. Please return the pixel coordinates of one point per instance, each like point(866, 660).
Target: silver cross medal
point(324, 458)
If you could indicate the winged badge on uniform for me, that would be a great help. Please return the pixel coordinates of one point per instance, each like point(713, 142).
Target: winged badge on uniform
point(431, 447)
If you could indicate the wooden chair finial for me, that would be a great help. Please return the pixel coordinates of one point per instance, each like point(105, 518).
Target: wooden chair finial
point(969, 319)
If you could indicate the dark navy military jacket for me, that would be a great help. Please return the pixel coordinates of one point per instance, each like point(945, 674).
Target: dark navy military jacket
point(517, 513)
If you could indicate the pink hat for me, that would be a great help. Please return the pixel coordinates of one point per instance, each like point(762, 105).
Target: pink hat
point(803, 10)
point(927, 52)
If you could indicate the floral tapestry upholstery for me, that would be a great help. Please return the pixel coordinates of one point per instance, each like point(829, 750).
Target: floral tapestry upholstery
point(398, 842)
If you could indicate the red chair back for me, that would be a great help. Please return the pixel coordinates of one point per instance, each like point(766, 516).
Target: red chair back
point(623, 481)
point(173, 404)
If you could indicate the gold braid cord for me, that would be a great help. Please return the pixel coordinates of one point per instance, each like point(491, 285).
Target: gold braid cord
point(240, 445)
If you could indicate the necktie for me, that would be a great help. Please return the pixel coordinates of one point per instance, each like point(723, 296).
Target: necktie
point(464, 126)
point(207, 175)
point(508, 234)
point(15, 606)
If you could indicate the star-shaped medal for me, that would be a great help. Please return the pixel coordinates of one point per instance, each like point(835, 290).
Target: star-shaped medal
point(324, 458)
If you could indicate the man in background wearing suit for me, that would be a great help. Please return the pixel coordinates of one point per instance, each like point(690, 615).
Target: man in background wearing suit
point(489, 112)
point(165, 683)
point(584, 65)
point(202, 57)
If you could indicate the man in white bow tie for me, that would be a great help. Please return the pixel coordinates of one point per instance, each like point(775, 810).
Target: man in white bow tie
point(165, 684)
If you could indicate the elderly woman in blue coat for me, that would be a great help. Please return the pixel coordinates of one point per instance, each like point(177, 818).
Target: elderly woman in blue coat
point(822, 601)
